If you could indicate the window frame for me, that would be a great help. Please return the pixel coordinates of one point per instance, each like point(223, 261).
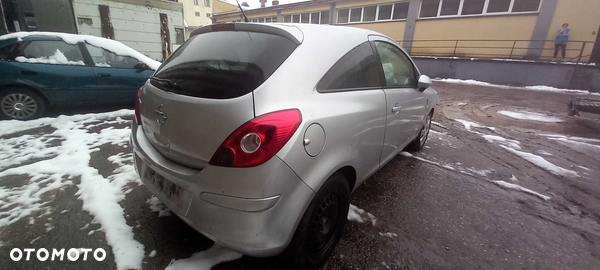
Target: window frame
point(416, 71)
point(197, 14)
point(362, 17)
point(196, 2)
point(484, 12)
point(207, 3)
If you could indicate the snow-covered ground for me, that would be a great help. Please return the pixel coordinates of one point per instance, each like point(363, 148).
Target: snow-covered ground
point(65, 155)
point(531, 116)
point(532, 88)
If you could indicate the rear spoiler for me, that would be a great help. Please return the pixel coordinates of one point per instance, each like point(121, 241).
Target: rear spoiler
point(285, 30)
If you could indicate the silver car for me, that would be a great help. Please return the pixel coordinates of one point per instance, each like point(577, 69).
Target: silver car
point(256, 134)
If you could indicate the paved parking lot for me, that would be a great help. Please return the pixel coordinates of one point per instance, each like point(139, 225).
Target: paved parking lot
point(506, 181)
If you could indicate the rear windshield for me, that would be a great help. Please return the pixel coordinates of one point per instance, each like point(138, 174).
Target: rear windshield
point(222, 65)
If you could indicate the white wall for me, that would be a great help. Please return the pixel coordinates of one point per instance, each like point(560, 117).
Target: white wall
point(135, 26)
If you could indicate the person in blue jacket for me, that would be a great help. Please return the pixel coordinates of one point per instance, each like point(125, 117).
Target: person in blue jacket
point(562, 37)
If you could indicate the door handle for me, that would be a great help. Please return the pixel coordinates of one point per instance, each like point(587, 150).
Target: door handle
point(104, 75)
point(396, 109)
point(28, 72)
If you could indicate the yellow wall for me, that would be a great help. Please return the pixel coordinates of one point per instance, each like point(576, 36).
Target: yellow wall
point(510, 27)
point(394, 30)
point(583, 18)
point(220, 7)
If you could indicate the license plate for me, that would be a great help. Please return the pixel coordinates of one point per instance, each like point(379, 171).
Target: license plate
point(173, 192)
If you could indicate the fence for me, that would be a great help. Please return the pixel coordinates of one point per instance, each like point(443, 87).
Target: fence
point(576, 51)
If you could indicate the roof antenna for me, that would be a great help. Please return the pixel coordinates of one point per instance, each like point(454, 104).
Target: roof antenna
point(245, 18)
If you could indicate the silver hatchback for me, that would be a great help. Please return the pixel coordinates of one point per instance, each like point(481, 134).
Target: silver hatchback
point(256, 134)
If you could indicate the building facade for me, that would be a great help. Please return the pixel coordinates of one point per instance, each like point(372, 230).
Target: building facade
point(471, 28)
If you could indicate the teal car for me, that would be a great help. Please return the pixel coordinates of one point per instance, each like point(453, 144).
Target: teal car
point(38, 70)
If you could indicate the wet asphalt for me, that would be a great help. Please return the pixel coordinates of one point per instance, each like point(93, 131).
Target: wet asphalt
point(436, 217)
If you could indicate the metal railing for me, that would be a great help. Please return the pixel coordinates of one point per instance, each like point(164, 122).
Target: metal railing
point(576, 51)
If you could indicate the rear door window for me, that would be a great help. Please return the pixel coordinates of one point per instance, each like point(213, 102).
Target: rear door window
point(51, 52)
point(221, 65)
point(358, 69)
point(104, 58)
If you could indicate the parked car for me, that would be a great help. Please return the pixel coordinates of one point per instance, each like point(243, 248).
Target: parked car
point(256, 134)
point(41, 69)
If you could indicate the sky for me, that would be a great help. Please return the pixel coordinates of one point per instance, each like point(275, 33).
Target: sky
point(256, 4)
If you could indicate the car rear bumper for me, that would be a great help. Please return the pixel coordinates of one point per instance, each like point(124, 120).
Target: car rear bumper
point(254, 210)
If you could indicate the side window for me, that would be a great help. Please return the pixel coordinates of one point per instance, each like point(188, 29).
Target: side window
point(104, 58)
point(397, 67)
point(6, 51)
point(51, 52)
point(357, 69)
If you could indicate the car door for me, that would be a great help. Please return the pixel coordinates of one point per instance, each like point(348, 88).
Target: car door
point(118, 77)
point(405, 104)
point(56, 68)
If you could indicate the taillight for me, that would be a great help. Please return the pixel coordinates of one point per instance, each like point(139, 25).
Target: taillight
point(138, 117)
point(257, 140)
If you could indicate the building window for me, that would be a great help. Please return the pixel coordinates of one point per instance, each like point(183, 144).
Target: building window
point(449, 7)
point(196, 2)
point(314, 18)
point(385, 12)
point(264, 20)
point(296, 18)
point(287, 18)
point(441, 8)
point(179, 36)
point(207, 15)
point(473, 7)
point(324, 17)
point(369, 13)
point(206, 3)
point(197, 13)
point(498, 6)
point(526, 5)
point(400, 11)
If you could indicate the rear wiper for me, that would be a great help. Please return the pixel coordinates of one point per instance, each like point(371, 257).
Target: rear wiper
point(165, 82)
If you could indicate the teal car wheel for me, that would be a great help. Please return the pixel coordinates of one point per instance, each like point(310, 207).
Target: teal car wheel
point(21, 104)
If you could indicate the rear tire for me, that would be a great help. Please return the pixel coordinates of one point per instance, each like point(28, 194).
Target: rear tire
point(418, 143)
point(21, 104)
point(321, 226)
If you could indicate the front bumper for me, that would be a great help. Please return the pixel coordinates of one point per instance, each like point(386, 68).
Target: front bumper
point(254, 211)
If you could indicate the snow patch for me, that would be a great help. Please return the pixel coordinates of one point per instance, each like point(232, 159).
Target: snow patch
point(358, 215)
point(520, 188)
point(389, 234)
point(513, 178)
point(542, 163)
point(531, 116)
point(205, 260)
point(438, 124)
point(152, 254)
point(157, 206)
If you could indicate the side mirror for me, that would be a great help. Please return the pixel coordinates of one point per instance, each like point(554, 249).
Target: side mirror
point(424, 83)
point(141, 66)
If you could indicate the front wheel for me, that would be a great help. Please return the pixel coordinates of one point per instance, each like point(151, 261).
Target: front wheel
point(418, 143)
point(321, 226)
point(21, 104)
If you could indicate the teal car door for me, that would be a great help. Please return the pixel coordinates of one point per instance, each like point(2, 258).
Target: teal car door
point(57, 69)
point(118, 77)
